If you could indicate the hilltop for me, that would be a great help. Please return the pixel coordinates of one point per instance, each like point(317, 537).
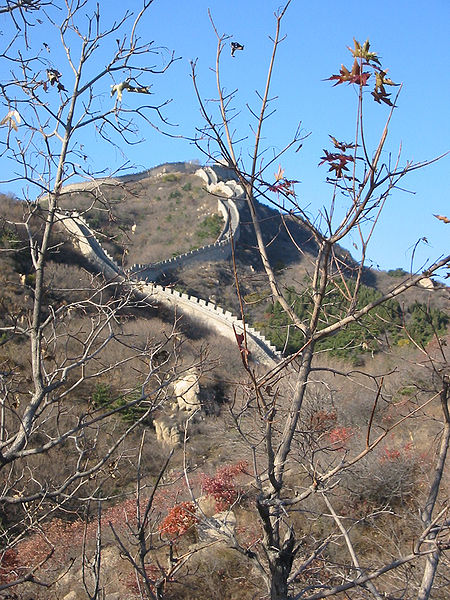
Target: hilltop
point(164, 212)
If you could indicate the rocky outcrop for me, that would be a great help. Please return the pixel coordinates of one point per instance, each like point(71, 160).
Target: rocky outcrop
point(187, 392)
point(168, 429)
point(427, 283)
point(187, 406)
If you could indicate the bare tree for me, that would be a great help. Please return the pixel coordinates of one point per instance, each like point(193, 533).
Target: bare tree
point(59, 90)
point(293, 462)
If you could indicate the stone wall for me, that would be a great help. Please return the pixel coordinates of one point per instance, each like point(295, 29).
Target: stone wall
point(159, 171)
point(88, 244)
point(214, 317)
point(205, 313)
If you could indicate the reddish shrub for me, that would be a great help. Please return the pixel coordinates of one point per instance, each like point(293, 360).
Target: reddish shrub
point(50, 546)
point(9, 566)
point(339, 437)
point(249, 535)
point(180, 519)
point(394, 454)
point(321, 420)
point(222, 486)
point(390, 454)
point(55, 542)
point(123, 513)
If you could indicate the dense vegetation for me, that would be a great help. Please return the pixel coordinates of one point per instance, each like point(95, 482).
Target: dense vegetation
point(388, 324)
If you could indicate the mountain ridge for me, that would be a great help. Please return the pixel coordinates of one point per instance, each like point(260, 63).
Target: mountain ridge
point(180, 271)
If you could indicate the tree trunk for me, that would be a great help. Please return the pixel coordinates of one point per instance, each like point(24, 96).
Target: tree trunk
point(279, 586)
point(280, 568)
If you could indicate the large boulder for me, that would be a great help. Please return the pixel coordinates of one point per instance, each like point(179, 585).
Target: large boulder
point(187, 392)
point(168, 430)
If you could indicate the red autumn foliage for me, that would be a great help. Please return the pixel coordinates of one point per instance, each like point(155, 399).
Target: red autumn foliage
point(52, 546)
point(181, 518)
point(396, 454)
point(364, 58)
point(222, 486)
point(337, 161)
point(339, 437)
point(284, 186)
point(56, 542)
point(9, 566)
point(356, 75)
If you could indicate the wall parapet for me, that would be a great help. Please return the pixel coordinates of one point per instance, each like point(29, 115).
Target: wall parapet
point(213, 316)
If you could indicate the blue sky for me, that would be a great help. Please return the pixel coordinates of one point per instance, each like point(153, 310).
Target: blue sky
point(410, 36)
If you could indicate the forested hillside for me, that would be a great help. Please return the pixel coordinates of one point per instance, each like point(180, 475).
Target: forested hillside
point(387, 482)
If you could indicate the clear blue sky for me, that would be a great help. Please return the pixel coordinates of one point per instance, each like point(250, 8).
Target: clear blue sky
point(410, 36)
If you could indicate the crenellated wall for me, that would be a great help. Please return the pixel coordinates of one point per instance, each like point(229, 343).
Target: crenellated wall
point(206, 313)
point(211, 316)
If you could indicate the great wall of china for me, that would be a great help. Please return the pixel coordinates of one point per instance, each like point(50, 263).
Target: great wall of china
point(140, 277)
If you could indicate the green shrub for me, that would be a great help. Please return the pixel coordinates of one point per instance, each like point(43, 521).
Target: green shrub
point(397, 272)
point(169, 178)
point(103, 397)
point(425, 322)
point(94, 220)
point(386, 321)
point(255, 297)
point(407, 390)
point(9, 240)
point(210, 227)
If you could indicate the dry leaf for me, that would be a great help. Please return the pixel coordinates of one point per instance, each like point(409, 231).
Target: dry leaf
point(442, 218)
